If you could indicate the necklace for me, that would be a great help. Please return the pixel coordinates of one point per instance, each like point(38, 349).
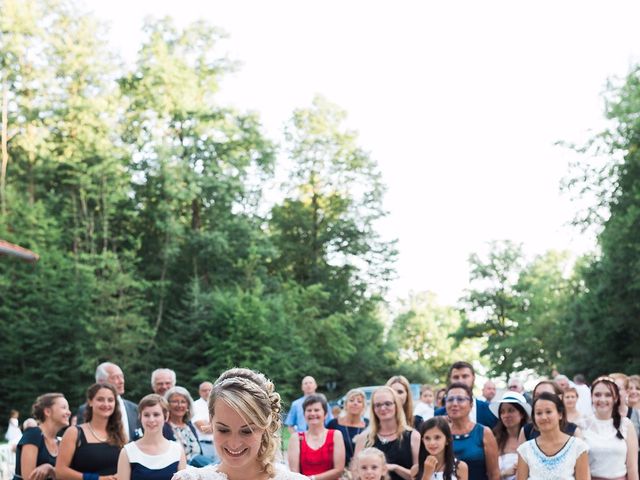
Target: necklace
point(54, 443)
point(95, 434)
point(384, 438)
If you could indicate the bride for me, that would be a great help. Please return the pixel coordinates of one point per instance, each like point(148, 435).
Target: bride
point(245, 415)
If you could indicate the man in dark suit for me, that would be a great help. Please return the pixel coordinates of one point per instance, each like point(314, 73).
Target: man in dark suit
point(463, 372)
point(108, 372)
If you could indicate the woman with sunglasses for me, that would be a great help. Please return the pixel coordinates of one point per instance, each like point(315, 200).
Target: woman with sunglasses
point(612, 439)
point(472, 443)
point(389, 433)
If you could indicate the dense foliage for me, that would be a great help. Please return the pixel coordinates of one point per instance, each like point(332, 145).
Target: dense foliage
point(144, 198)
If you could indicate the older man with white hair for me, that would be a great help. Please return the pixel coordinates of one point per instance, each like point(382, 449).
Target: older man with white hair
point(108, 372)
point(162, 380)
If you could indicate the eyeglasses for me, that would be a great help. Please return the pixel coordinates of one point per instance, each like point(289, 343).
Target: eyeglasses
point(456, 399)
point(513, 387)
point(379, 405)
point(178, 402)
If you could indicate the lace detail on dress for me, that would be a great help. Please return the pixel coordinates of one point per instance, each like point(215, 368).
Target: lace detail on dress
point(211, 473)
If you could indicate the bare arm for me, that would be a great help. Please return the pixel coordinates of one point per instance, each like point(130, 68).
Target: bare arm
point(28, 468)
point(462, 473)
point(632, 452)
point(293, 453)
point(578, 433)
point(522, 472)
point(415, 446)
point(65, 455)
point(338, 459)
point(203, 426)
point(124, 466)
point(183, 462)
point(491, 454)
point(521, 437)
point(360, 439)
point(582, 467)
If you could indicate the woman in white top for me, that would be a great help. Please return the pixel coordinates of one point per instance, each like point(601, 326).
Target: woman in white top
point(570, 400)
point(513, 413)
point(153, 457)
point(612, 440)
point(553, 455)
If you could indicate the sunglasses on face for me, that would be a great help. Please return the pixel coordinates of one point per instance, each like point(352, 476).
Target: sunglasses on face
point(456, 399)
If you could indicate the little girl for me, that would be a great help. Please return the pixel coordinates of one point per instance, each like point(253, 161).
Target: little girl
point(369, 464)
point(436, 460)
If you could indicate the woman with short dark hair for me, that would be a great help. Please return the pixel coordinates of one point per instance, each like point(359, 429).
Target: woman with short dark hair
point(472, 442)
point(317, 453)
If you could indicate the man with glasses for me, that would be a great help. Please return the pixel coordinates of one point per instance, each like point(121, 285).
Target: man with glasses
point(515, 385)
point(463, 372)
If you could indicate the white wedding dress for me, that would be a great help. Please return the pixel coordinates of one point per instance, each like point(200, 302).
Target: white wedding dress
point(211, 473)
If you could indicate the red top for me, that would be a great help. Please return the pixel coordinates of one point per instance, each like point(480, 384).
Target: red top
point(314, 462)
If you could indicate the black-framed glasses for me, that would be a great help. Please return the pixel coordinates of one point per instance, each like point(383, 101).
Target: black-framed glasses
point(379, 405)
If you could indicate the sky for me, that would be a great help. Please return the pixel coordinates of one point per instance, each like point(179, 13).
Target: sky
point(460, 103)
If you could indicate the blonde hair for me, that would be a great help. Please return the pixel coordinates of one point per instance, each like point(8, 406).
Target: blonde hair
point(401, 422)
point(253, 396)
point(622, 377)
point(368, 452)
point(408, 405)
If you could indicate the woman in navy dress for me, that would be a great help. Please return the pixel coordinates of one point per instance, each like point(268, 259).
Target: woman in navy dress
point(153, 457)
point(37, 450)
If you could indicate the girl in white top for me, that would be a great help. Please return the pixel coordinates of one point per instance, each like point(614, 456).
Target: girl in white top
point(553, 455)
point(369, 464)
point(436, 460)
point(612, 440)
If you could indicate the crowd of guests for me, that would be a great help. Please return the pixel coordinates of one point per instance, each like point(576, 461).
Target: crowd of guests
point(233, 431)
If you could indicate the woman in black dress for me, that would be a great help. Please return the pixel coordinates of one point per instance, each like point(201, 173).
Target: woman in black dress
point(389, 433)
point(37, 450)
point(90, 451)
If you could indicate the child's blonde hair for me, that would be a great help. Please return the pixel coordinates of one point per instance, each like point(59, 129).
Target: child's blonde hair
point(368, 452)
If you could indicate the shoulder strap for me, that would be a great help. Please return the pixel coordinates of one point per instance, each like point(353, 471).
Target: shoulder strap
point(81, 440)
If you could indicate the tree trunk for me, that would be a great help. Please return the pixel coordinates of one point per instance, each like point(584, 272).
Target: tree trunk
point(5, 141)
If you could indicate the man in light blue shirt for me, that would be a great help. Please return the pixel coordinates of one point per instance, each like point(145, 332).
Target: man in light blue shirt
point(295, 419)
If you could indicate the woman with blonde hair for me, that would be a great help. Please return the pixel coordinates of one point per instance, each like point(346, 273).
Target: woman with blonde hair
point(245, 415)
point(90, 451)
point(352, 423)
point(401, 386)
point(633, 392)
point(390, 433)
point(570, 400)
point(152, 457)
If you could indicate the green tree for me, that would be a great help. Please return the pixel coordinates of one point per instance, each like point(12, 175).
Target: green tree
point(491, 308)
point(422, 335)
point(606, 305)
